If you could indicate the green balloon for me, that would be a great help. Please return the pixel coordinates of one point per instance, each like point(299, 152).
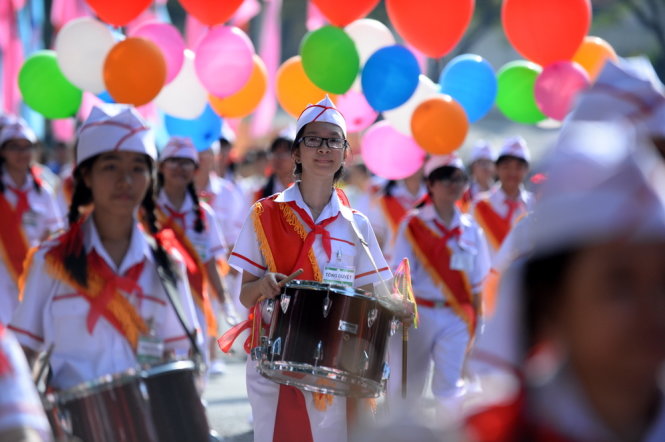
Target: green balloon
point(330, 59)
point(45, 88)
point(516, 97)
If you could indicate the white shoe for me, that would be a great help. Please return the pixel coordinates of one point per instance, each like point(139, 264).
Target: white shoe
point(217, 367)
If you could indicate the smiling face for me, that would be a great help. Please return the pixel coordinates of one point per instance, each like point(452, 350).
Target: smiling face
point(118, 182)
point(320, 162)
point(446, 191)
point(511, 172)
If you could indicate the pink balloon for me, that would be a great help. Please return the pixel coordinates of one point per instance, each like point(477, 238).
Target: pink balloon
point(357, 112)
point(224, 60)
point(557, 86)
point(389, 153)
point(169, 41)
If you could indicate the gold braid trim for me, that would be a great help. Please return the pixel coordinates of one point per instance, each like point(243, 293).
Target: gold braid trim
point(27, 263)
point(131, 323)
point(292, 219)
point(429, 268)
point(264, 245)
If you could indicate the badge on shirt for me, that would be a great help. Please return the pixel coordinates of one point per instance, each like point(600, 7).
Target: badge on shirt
point(337, 272)
point(30, 218)
point(150, 348)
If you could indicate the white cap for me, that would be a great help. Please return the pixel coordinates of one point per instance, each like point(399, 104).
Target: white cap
point(179, 147)
point(482, 150)
point(595, 191)
point(17, 129)
point(436, 161)
point(113, 127)
point(227, 133)
point(515, 147)
point(629, 90)
point(323, 111)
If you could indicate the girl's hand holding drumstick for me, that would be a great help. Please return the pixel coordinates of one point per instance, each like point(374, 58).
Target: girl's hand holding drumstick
point(272, 283)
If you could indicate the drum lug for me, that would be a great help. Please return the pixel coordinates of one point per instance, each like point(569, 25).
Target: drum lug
point(371, 316)
point(385, 375)
point(364, 362)
point(327, 303)
point(259, 352)
point(284, 303)
point(270, 306)
point(318, 353)
point(276, 348)
point(394, 325)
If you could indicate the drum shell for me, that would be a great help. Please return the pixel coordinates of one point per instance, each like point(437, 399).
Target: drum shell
point(111, 409)
point(175, 402)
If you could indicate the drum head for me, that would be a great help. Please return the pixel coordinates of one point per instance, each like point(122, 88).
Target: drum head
point(104, 383)
point(325, 287)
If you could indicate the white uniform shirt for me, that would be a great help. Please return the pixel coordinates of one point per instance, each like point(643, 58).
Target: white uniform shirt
point(248, 257)
point(471, 242)
point(497, 200)
point(53, 312)
point(209, 243)
point(20, 405)
point(42, 217)
point(229, 205)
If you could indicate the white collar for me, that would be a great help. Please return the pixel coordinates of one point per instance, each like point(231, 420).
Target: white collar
point(8, 181)
point(187, 204)
point(331, 209)
point(138, 250)
point(428, 213)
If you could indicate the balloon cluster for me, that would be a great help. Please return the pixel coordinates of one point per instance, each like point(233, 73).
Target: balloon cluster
point(149, 64)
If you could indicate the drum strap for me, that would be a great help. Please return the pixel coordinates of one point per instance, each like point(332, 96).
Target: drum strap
point(168, 280)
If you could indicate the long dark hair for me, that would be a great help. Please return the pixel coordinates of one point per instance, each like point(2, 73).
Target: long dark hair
point(75, 262)
point(298, 169)
point(199, 226)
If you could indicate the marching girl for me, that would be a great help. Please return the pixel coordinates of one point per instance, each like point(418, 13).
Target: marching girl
point(306, 226)
point(28, 208)
point(482, 170)
point(281, 163)
point(94, 292)
point(193, 223)
point(449, 259)
point(497, 211)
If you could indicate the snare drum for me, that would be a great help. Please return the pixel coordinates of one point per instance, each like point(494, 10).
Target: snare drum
point(175, 402)
point(327, 339)
point(113, 408)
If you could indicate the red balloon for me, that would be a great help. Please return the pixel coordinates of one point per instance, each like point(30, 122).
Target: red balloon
point(211, 12)
point(434, 27)
point(342, 12)
point(118, 12)
point(546, 31)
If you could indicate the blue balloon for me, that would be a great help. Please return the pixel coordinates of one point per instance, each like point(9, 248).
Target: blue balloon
point(203, 130)
point(390, 77)
point(470, 79)
point(105, 97)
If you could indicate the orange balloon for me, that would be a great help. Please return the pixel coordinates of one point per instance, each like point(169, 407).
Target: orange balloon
point(134, 71)
point(592, 55)
point(243, 102)
point(546, 31)
point(439, 125)
point(434, 27)
point(294, 89)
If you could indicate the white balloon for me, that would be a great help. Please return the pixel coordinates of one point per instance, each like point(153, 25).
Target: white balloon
point(81, 47)
point(400, 117)
point(369, 36)
point(184, 97)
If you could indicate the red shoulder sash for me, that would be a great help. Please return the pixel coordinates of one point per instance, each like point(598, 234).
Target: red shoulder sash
point(496, 227)
point(13, 242)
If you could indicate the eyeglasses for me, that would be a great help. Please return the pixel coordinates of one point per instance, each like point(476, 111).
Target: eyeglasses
point(183, 163)
point(459, 180)
point(332, 143)
point(18, 147)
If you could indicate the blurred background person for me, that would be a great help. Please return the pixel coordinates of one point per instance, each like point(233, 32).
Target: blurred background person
point(281, 166)
point(482, 171)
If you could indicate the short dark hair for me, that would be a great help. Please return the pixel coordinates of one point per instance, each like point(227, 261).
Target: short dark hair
point(503, 158)
point(443, 173)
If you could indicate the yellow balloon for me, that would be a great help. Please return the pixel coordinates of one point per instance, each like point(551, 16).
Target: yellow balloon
point(243, 102)
point(592, 55)
point(294, 89)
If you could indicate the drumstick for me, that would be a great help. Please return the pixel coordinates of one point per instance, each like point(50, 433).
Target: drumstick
point(283, 282)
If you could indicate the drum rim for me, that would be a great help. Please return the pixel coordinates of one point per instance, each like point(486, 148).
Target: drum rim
point(171, 366)
point(88, 388)
point(374, 389)
point(335, 288)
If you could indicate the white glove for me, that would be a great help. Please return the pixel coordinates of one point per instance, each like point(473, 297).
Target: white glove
point(229, 311)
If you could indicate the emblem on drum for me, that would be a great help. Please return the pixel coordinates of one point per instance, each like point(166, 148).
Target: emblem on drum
point(348, 327)
point(284, 303)
point(371, 317)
